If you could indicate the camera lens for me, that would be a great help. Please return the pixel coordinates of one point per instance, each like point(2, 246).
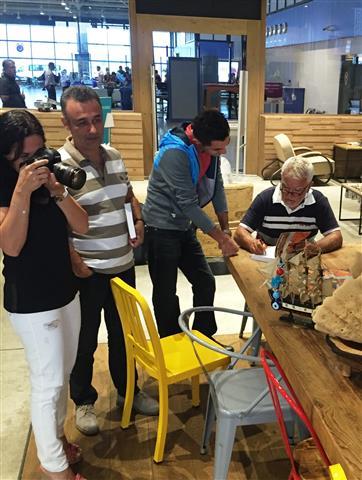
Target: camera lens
point(69, 176)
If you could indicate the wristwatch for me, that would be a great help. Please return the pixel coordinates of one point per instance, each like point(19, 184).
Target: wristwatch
point(227, 231)
point(62, 196)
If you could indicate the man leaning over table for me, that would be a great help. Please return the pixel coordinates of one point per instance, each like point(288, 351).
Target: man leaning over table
point(291, 206)
point(104, 252)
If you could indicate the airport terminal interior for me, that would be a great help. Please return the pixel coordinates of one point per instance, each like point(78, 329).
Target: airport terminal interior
point(272, 67)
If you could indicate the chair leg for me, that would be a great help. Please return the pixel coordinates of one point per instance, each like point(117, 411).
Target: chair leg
point(256, 341)
point(195, 390)
point(243, 322)
point(162, 422)
point(209, 422)
point(128, 401)
point(225, 436)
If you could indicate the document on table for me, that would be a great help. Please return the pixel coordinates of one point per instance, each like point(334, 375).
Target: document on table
point(130, 221)
point(267, 256)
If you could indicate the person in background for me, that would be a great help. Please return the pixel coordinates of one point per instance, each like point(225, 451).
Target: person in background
point(105, 252)
point(121, 76)
point(64, 79)
point(40, 291)
point(128, 77)
point(292, 206)
point(158, 78)
point(99, 76)
point(51, 79)
point(9, 89)
point(185, 177)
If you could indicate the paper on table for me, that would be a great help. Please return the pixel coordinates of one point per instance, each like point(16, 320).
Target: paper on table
point(130, 222)
point(268, 255)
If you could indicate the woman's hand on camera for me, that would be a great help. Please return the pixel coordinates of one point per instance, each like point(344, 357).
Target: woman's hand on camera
point(55, 188)
point(33, 176)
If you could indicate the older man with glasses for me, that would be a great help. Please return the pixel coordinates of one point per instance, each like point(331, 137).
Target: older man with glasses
point(292, 206)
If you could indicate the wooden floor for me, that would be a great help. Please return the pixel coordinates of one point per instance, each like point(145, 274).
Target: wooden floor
point(116, 454)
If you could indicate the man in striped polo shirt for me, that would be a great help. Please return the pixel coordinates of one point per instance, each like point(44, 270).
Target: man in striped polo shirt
point(104, 252)
point(292, 206)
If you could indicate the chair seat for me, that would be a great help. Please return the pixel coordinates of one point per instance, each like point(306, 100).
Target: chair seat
point(309, 462)
point(320, 164)
point(179, 355)
point(235, 400)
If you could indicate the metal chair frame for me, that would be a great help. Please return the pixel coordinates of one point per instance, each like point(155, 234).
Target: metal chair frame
point(236, 396)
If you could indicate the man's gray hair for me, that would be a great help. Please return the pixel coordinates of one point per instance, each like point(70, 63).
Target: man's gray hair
point(298, 167)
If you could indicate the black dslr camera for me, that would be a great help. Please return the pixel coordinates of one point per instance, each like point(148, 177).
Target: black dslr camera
point(71, 177)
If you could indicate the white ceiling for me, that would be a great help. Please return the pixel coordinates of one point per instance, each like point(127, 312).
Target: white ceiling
point(108, 10)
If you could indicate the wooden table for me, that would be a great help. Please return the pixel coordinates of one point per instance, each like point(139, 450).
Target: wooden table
point(348, 161)
point(332, 402)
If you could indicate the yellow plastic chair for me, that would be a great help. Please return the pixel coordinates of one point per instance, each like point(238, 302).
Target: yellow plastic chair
point(169, 360)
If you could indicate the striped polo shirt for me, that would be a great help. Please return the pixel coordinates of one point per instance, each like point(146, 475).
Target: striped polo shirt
point(105, 247)
point(269, 216)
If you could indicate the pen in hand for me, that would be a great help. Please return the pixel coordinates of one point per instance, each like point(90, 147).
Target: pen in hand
point(259, 247)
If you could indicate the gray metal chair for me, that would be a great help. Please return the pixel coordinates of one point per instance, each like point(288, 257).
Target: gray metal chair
point(236, 397)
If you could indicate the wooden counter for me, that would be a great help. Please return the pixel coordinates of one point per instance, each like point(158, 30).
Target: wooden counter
point(332, 402)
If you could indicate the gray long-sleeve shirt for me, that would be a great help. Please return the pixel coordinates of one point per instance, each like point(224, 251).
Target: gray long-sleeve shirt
point(172, 201)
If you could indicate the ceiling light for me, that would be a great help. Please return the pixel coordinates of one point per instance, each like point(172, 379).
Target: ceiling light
point(63, 4)
point(41, 10)
point(66, 8)
point(75, 17)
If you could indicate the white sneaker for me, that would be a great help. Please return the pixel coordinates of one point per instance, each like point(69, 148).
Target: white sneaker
point(142, 403)
point(86, 419)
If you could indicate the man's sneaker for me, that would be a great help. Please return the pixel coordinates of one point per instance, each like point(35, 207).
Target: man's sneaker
point(86, 419)
point(142, 403)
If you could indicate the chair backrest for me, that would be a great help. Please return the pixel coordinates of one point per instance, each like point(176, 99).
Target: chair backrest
point(183, 321)
point(130, 303)
point(277, 390)
point(283, 147)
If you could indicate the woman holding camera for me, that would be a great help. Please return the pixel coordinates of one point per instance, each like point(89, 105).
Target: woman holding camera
point(40, 291)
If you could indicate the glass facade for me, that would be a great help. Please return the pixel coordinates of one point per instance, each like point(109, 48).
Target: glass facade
point(32, 47)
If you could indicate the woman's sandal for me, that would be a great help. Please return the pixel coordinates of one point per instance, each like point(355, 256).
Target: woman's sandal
point(55, 475)
point(73, 453)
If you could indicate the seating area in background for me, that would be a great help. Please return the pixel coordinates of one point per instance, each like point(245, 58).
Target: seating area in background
point(323, 165)
point(168, 360)
point(237, 396)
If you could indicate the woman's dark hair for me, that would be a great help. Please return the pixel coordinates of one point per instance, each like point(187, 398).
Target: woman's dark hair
point(15, 126)
point(210, 125)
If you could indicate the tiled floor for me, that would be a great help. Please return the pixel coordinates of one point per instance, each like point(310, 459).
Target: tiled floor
point(14, 406)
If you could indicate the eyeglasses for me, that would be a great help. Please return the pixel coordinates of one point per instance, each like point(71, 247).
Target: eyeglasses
point(293, 193)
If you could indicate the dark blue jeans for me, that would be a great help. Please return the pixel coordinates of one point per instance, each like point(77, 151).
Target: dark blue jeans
point(95, 295)
point(169, 250)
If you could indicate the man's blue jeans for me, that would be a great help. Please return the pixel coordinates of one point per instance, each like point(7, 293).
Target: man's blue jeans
point(169, 250)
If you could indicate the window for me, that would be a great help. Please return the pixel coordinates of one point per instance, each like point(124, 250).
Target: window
point(19, 49)
point(119, 36)
point(43, 50)
point(65, 50)
point(18, 32)
point(62, 33)
point(2, 32)
point(42, 32)
point(4, 49)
